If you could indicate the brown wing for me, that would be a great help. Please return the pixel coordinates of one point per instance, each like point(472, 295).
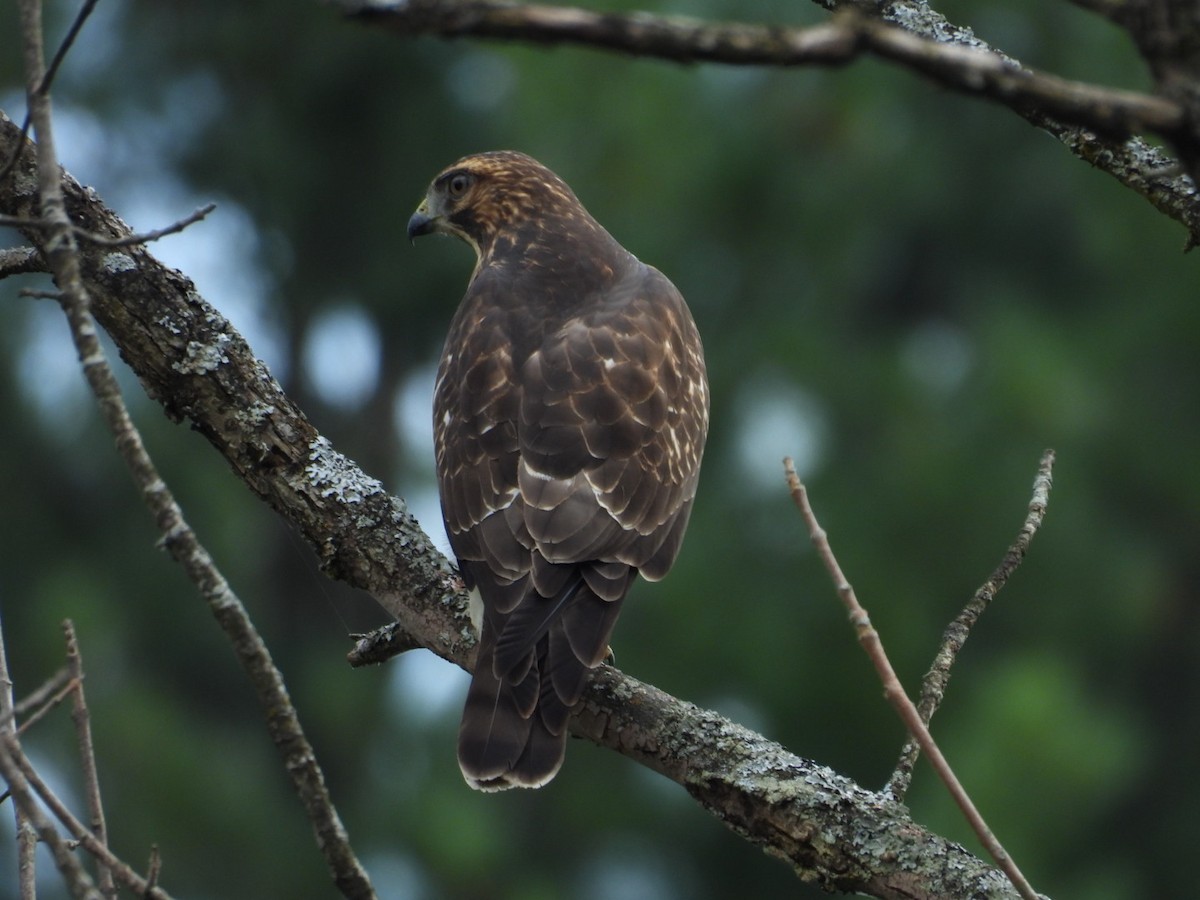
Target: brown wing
point(568, 455)
point(614, 413)
point(475, 412)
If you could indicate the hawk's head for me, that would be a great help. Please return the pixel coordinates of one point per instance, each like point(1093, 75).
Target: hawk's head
point(499, 201)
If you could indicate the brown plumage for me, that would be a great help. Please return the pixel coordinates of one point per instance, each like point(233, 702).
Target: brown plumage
point(570, 414)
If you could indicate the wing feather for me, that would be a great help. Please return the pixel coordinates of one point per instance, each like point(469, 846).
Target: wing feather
point(568, 452)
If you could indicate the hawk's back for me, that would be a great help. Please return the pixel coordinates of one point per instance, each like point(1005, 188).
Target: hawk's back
point(570, 415)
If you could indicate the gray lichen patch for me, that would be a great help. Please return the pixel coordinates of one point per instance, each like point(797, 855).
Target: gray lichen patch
point(118, 262)
point(336, 476)
point(202, 358)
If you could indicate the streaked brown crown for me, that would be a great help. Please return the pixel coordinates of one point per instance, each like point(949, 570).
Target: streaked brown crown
point(504, 201)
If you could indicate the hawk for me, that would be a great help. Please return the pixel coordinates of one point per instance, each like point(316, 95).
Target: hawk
point(570, 413)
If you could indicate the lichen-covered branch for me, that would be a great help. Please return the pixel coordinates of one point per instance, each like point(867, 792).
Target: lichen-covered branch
point(1133, 161)
point(193, 362)
point(973, 70)
point(1098, 124)
point(54, 233)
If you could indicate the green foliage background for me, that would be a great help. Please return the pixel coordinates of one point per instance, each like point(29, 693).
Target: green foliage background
point(912, 292)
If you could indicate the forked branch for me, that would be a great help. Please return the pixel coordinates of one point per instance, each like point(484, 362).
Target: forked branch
point(933, 686)
point(869, 638)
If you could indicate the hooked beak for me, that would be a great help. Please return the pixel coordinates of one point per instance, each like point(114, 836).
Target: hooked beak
point(421, 222)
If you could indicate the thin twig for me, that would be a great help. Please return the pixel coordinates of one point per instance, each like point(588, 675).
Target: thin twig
point(40, 294)
point(46, 692)
point(19, 771)
point(65, 47)
point(933, 687)
point(87, 754)
point(26, 835)
point(48, 79)
point(868, 637)
point(101, 241)
point(41, 712)
point(148, 236)
point(154, 867)
point(78, 882)
point(283, 724)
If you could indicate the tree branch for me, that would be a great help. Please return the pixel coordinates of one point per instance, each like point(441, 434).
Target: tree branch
point(1135, 163)
point(54, 234)
point(933, 686)
point(87, 754)
point(192, 361)
point(847, 36)
point(16, 769)
point(78, 882)
point(20, 261)
point(26, 835)
point(871, 643)
point(1095, 123)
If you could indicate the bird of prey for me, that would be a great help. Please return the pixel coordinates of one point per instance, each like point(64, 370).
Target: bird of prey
point(570, 413)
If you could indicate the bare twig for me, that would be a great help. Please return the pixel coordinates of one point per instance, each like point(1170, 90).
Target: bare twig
point(100, 240)
point(154, 867)
point(56, 683)
point(67, 42)
point(20, 261)
point(78, 882)
point(39, 294)
point(933, 687)
point(40, 701)
point(868, 637)
point(48, 77)
point(26, 853)
point(148, 236)
point(20, 773)
point(181, 542)
point(87, 754)
point(26, 835)
point(52, 701)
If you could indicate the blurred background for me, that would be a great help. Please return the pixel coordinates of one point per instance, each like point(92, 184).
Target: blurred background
point(911, 293)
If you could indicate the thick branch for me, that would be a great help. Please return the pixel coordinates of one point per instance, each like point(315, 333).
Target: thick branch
point(63, 254)
point(677, 39)
point(1095, 123)
point(846, 37)
point(1133, 162)
point(191, 360)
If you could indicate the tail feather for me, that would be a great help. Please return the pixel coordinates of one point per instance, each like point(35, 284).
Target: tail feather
point(524, 627)
point(587, 625)
point(531, 671)
point(564, 676)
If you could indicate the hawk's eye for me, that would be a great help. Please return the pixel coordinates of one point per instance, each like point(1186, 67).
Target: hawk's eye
point(458, 184)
